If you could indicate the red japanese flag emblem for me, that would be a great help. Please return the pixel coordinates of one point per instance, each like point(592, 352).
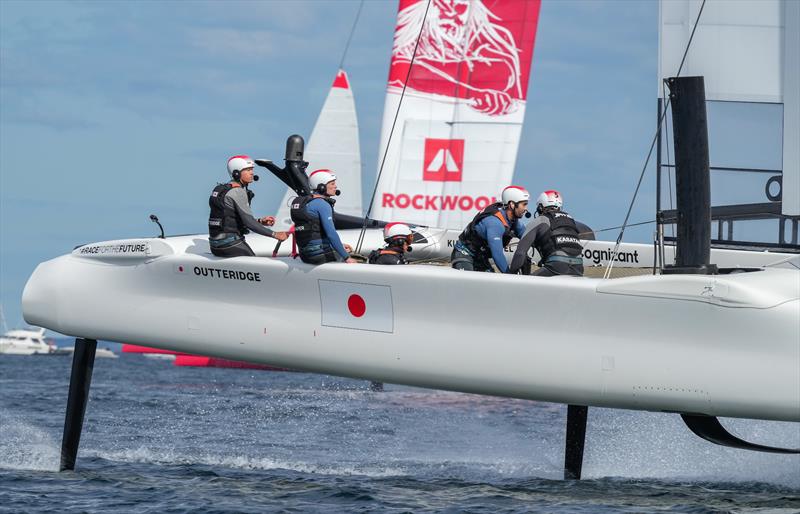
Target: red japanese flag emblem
point(356, 305)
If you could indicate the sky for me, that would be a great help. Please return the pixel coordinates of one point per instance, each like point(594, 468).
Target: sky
point(111, 111)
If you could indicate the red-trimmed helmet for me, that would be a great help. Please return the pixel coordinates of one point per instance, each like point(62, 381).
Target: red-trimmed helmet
point(396, 230)
point(515, 194)
point(237, 163)
point(551, 198)
point(320, 178)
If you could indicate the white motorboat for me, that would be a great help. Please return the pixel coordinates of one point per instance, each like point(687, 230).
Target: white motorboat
point(26, 341)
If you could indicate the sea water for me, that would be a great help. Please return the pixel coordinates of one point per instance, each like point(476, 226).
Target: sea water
point(159, 438)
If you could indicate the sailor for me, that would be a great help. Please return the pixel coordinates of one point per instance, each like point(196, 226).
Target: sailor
point(556, 237)
point(312, 216)
point(231, 217)
point(490, 231)
point(398, 239)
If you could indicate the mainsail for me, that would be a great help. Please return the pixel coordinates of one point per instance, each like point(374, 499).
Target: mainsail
point(334, 145)
point(748, 51)
point(455, 139)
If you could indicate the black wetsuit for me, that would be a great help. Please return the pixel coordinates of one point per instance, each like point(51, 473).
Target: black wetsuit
point(486, 236)
point(561, 254)
point(230, 219)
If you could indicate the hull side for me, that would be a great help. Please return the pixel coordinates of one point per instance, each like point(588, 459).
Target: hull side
point(647, 343)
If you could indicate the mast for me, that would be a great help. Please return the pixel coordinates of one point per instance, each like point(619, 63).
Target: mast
point(692, 176)
point(3, 320)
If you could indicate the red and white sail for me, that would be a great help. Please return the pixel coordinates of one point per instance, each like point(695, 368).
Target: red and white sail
point(455, 140)
point(334, 145)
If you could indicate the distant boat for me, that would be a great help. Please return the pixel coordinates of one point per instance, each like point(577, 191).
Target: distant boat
point(27, 341)
point(198, 361)
point(104, 353)
point(150, 353)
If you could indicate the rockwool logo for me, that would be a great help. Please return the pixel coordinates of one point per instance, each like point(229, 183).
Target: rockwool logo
point(444, 160)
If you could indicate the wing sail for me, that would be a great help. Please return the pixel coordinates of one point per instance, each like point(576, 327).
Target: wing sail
point(334, 145)
point(455, 140)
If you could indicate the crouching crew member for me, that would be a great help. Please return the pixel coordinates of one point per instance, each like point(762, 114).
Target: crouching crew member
point(231, 217)
point(312, 216)
point(398, 239)
point(555, 236)
point(490, 231)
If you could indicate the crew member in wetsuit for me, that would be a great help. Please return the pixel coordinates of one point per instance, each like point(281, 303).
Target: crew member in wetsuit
point(398, 239)
point(231, 217)
point(556, 237)
point(490, 231)
point(312, 216)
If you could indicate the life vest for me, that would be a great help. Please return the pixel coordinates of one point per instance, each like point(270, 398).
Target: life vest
point(474, 242)
point(563, 236)
point(307, 227)
point(386, 256)
point(223, 218)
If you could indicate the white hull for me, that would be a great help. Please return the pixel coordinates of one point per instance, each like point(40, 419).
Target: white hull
point(159, 356)
point(24, 342)
point(725, 345)
point(16, 350)
point(100, 353)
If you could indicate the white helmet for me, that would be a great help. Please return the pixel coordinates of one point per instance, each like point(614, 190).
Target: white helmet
point(237, 163)
point(396, 230)
point(320, 178)
point(551, 198)
point(515, 194)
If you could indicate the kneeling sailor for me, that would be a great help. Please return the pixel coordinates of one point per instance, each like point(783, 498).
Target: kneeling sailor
point(555, 236)
point(312, 216)
point(490, 231)
point(231, 217)
point(398, 239)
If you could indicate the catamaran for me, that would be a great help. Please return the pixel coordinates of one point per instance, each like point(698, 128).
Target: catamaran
point(555, 339)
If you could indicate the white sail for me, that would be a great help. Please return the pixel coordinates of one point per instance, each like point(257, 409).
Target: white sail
point(748, 51)
point(334, 145)
point(455, 139)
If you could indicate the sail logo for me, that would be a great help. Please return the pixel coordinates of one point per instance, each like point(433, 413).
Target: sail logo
point(444, 160)
point(466, 50)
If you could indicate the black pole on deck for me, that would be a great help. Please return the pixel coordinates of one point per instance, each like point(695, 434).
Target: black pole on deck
point(692, 176)
point(576, 437)
point(79, 383)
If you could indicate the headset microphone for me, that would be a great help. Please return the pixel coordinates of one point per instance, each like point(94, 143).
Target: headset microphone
point(527, 214)
point(338, 192)
point(255, 178)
